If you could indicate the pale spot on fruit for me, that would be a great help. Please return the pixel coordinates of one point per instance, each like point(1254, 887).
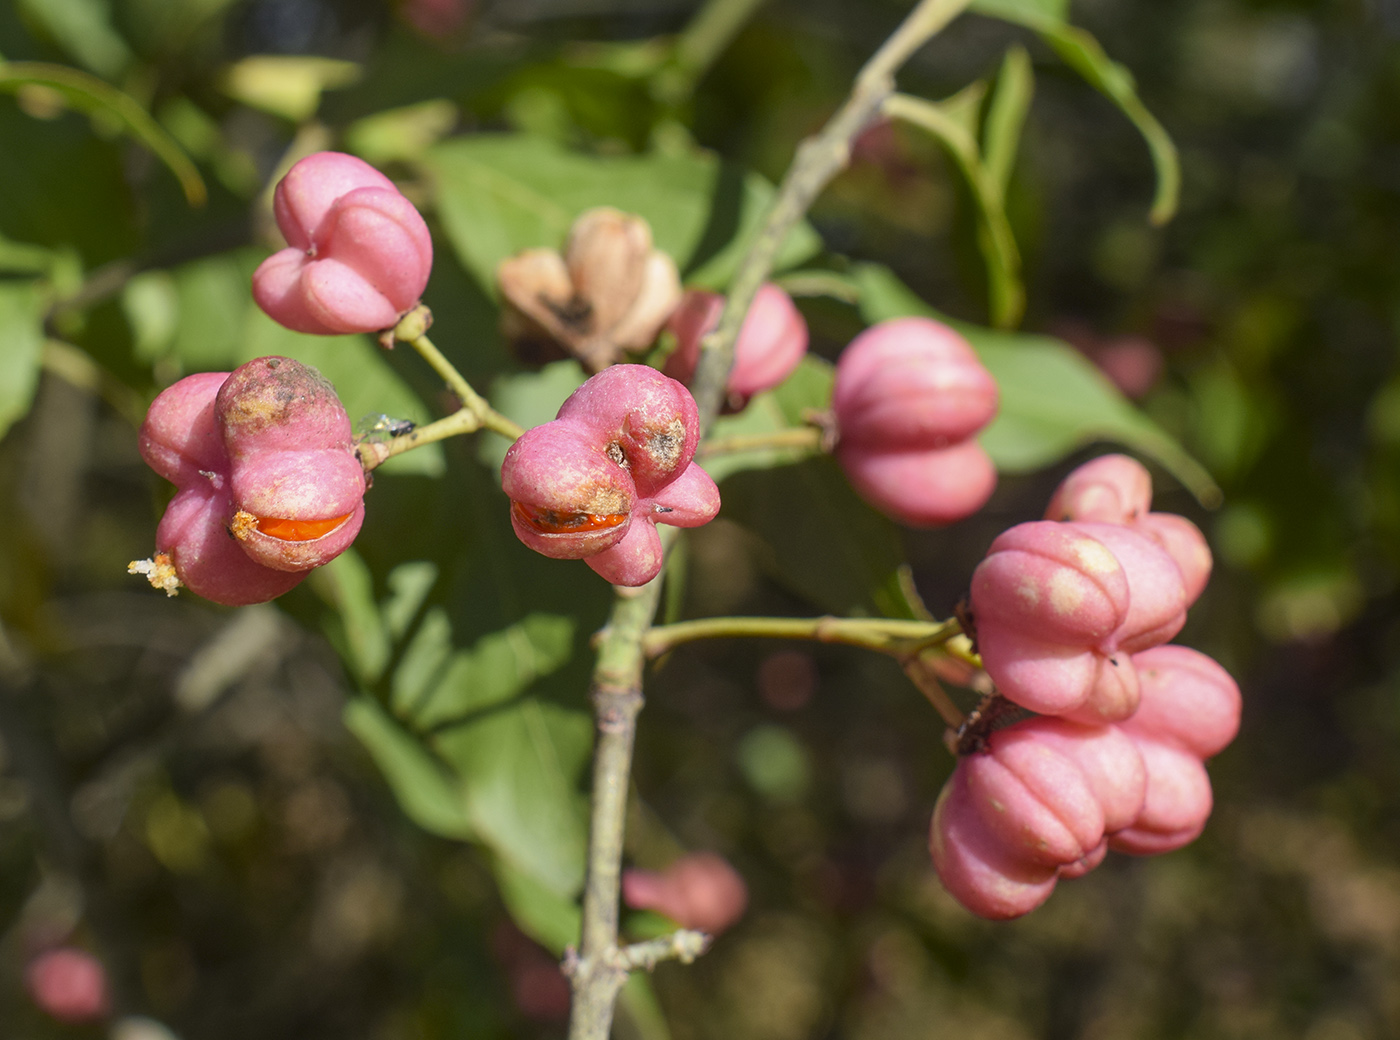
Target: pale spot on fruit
point(1066, 592)
point(1028, 593)
point(1094, 557)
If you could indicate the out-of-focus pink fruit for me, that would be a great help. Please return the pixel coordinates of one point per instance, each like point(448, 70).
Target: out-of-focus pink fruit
point(358, 254)
point(922, 488)
point(1156, 595)
point(1113, 488)
point(700, 891)
point(268, 483)
point(1177, 806)
point(771, 341)
point(69, 984)
point(593, 483)
point(1116, 489)
point(1190, 710)
point(1036, 805)
point(1185, 544)
point(909, 395)
point(911, 383)
point(1188, 701)
point(1047, 600)
point(975, 867)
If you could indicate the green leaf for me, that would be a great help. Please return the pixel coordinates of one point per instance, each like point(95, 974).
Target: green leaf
point(518, 768)
point(22, 332)
point(824, 542)
point(496, 668)
point(1023, 11)
point(1053, 400)
point(84, 29)
point(90, 94)
point(429, 793)
point(1081, 52)
point(954, 123)
point(1007, 107)
point(498, 194)
point(552, 920)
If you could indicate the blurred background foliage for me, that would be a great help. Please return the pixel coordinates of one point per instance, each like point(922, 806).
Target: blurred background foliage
point(179, 787)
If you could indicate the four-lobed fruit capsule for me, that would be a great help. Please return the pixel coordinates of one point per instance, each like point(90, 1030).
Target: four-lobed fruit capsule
point(358, 253)
point(268, 484)
point(909, 396)
point(617, 460)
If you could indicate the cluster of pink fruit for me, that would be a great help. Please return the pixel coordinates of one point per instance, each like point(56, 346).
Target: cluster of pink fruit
point(1071, 614)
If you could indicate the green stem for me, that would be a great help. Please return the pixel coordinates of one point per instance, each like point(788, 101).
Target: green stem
point(475, 414)
point(700, 44)
point(818, 159)
point(887, 635)
point(805, 437)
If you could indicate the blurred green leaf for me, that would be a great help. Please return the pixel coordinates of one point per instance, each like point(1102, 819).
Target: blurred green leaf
point(429, 793)
point(286, 85)
point(1018, 10)
point(90, 94)
point(498, 194)
point(84, 29)
point(1053, 400)
point(552, 920)
point(22, 331)
point(954, 122)
point(1081, 52)
point(401, 133)
point(824, 542)
point(1007, 108)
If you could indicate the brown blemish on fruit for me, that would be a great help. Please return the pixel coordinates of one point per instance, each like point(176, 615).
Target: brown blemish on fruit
point(614, 451)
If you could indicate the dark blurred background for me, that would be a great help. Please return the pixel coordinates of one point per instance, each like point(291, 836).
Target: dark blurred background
point(178, 792)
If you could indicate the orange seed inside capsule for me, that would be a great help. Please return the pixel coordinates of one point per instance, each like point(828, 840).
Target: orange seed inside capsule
point(549, 521)
point(298, 530)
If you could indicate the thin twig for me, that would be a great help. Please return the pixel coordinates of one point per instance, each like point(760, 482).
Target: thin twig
point(818, 159)
point(887, 635)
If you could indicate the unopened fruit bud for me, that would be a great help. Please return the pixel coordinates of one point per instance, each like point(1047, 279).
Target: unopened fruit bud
point(909, 394)
point(358, 254)
point(1112, 488)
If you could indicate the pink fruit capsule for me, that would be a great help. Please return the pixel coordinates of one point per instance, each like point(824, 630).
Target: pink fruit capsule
point(593, 483)
point(268, 482)
point(1112, 488)
point(921, 488)
point(358, 254)
point(771, 341)
point(1188, 701)
point(911, 383)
